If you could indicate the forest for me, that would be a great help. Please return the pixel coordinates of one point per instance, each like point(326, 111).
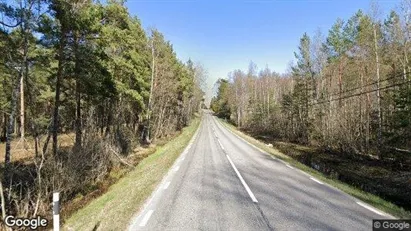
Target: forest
point(348, 94)
point(82, 85)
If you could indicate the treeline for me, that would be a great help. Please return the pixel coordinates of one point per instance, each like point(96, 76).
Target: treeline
point(348, 91)
point(86, 68)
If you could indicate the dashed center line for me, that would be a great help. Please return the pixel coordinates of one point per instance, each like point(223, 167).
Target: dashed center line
point(146, 218)
point(242, 181)
point(312, 178)
point(220, 144)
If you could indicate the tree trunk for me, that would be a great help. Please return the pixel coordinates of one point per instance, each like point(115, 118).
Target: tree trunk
point(339, 83)
point(378, 90)
point(78, 95)
point(22, 109)
point(146, 131)
point(4, 132)
point(59, 78)
point(10, 126)
point(78, 116)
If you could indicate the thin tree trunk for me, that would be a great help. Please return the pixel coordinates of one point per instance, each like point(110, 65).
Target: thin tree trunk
point(146, 132)
point(4, 132)
point(7, 159)
point(368, 126)
point(78, 116)
point(330, 98)
point(59, 78)
point(25, 66)
point(22, 109)
point(378, 90)
point(339, 83)
point(361, 109)
point(78, 95)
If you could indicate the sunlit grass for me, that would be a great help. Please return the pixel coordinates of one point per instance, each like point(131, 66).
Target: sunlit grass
point(369, 198)
point(115, 209)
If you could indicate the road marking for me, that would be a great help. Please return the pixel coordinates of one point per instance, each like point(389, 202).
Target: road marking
point(176, 168)
point(157, 193)
point(282, 161)
point(289, 166)
point(166, 185)
point(242, 181)
point(220, 145)
point(371, 208)
point(312, 178)
point(304, 173)
point(252, 145)
point(146, 218)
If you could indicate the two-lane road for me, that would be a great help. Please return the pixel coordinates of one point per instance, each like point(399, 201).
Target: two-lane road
point(223, 183)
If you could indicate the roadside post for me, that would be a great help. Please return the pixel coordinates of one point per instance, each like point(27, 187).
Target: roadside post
point(56, 212)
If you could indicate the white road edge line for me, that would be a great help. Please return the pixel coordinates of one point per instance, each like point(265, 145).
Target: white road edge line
point(252, 145)
point(312, 178)
point(305, 173)
point(242, 181)
point(176, 168)
point(146, 218)
point(157, 192)
point(371, 208)
point(289, 166)
point(166, 185)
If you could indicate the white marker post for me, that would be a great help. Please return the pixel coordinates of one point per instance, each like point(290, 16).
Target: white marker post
point(56, 212)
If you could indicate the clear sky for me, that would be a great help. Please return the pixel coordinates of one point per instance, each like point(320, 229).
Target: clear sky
point(226, 35)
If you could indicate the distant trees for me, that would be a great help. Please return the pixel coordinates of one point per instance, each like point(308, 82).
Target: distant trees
point(220, 103)
point(176, 92)
point(87, 68)
point(348, 91)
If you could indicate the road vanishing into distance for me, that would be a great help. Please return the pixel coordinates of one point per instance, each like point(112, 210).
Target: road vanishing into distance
point(220, 182)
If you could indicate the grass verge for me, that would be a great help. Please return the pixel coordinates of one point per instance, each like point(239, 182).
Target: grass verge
point(114, 209)
point(369, 198)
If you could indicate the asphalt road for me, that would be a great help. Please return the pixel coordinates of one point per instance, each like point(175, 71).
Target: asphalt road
point(220, 182)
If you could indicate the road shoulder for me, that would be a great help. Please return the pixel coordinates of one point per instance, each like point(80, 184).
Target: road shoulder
point(115, 209)
point(369, 199)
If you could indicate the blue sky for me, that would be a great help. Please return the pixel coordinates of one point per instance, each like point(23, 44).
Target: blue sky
point(226, 35)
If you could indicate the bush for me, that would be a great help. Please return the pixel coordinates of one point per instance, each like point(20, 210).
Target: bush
point(78, 170)
point(124, 139)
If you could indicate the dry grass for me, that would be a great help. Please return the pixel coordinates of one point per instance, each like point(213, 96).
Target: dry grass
point(24, 151)
point(83, 199)
point(369, 198)
point(114, 209)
